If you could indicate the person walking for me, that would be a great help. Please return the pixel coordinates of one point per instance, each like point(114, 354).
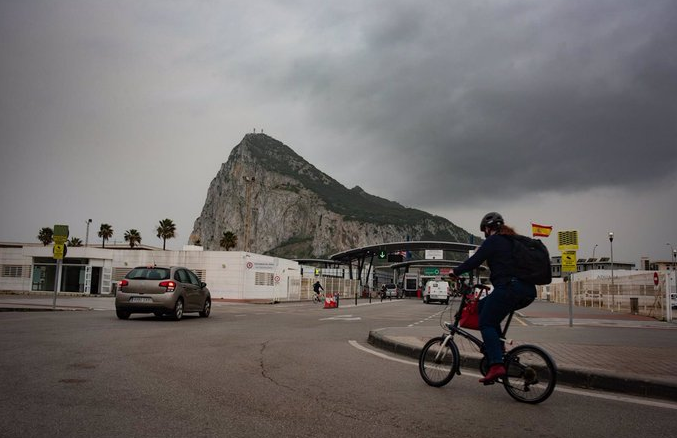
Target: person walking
point(509, 293)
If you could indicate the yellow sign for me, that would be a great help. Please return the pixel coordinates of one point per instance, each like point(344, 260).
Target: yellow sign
point(568, 261)
point(59, 250)
point(59, 240)
point(567, 240)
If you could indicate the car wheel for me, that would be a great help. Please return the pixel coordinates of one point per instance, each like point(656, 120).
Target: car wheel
point(207, 308)
point(178, 310)
point(122, 314)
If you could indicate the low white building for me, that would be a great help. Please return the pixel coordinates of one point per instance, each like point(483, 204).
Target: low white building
point(91, 270)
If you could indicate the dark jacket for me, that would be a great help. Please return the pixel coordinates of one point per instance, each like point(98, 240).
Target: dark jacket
point(497, 252)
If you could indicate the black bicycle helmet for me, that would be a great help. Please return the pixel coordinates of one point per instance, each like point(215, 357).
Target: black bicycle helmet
point(491, 220)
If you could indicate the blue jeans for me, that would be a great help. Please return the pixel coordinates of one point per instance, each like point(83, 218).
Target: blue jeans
point(495, 307)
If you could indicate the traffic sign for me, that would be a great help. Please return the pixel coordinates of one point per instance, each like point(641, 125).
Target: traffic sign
point(60, 230)
point(431, 271)
point(382, 254)
point(567, 240)
point(59, 251)
point(568, 261)
point(434, 254)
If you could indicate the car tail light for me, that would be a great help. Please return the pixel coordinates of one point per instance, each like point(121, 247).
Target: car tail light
point(123, 283)
point(170, 285)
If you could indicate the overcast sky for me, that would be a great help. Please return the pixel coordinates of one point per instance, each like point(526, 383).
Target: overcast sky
point(560, 112)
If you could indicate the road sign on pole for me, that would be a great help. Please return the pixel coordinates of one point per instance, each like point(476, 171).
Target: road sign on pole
point(59, 251)
point(568, 261)
point(60, 235)
point(567, 240)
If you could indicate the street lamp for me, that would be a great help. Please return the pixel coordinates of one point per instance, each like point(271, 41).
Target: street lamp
point(673, 255)
point(611, 243)
point(89, 221)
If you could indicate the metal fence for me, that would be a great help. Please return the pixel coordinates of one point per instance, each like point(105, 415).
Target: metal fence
point(345, 287)
point(630, 294)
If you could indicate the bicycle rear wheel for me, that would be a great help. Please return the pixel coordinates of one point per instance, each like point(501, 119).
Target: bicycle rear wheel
point(531, 374)
point(437, 363)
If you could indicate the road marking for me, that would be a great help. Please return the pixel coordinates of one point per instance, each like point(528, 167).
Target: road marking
point(518, 319)
point(342, 318)
point(381, 355)
point(581, 392)
point(434, 315)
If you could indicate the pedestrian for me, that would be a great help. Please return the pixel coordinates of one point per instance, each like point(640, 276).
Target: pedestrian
point(509, 293)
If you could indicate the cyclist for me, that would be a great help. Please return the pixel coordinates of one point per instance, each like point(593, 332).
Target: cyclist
point(509, 293)
point(317, 287)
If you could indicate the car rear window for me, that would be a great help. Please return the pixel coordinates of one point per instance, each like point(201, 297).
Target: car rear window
point(148, 274)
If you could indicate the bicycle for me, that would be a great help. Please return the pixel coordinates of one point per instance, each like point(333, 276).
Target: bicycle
point(317, 298)
point(531, 372)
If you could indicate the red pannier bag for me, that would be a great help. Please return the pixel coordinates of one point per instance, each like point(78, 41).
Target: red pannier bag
point(470, 316)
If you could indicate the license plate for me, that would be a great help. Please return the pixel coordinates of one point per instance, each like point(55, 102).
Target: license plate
point(140, 300)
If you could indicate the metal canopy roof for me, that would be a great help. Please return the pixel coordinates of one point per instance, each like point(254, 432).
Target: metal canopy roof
point(415, 263)
point(367, 251)
point(326, 262)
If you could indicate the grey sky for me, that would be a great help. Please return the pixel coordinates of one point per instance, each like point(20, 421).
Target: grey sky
point(558, 112)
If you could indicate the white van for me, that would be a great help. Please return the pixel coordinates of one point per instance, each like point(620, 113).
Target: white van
point(436, 291)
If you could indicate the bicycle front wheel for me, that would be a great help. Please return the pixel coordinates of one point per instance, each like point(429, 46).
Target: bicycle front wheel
point(531, 374)
point(438, 361)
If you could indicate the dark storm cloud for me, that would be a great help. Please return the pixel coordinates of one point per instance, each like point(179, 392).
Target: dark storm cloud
point(519, 96)
point(533, 108)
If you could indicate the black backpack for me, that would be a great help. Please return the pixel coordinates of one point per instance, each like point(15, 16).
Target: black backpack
point(532, 260)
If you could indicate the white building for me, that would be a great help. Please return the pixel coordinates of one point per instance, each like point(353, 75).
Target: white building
point(91, 270)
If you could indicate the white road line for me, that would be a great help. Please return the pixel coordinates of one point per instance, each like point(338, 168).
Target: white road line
point(581, 392)
point(379, 354)
point(342, 318)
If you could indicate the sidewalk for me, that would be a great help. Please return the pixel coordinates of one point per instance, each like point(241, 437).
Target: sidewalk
point(36, 302)
point(603, 350)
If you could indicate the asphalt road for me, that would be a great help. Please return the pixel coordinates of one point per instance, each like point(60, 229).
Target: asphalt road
point(268, 370)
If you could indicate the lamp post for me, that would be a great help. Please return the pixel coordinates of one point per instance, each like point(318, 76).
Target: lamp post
point(593, 255)
point(611, 243)
point(89, 221)
point(673, 254)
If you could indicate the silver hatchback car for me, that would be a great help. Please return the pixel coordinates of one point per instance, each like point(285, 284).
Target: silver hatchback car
point(162, 290)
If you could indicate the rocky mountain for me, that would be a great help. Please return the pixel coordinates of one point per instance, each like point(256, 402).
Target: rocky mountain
point(277, 203)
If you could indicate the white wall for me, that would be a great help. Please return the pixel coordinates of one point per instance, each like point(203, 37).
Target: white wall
point(15, 257)
point(228, 274)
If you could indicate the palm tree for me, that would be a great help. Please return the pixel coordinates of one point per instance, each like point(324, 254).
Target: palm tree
point(228, 241)
point(133, 237)
point(75, 241)
point(105, 233)
point(45, 236)
point(166, 230)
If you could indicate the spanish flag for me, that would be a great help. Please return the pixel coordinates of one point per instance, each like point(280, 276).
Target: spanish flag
point(540, 230)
